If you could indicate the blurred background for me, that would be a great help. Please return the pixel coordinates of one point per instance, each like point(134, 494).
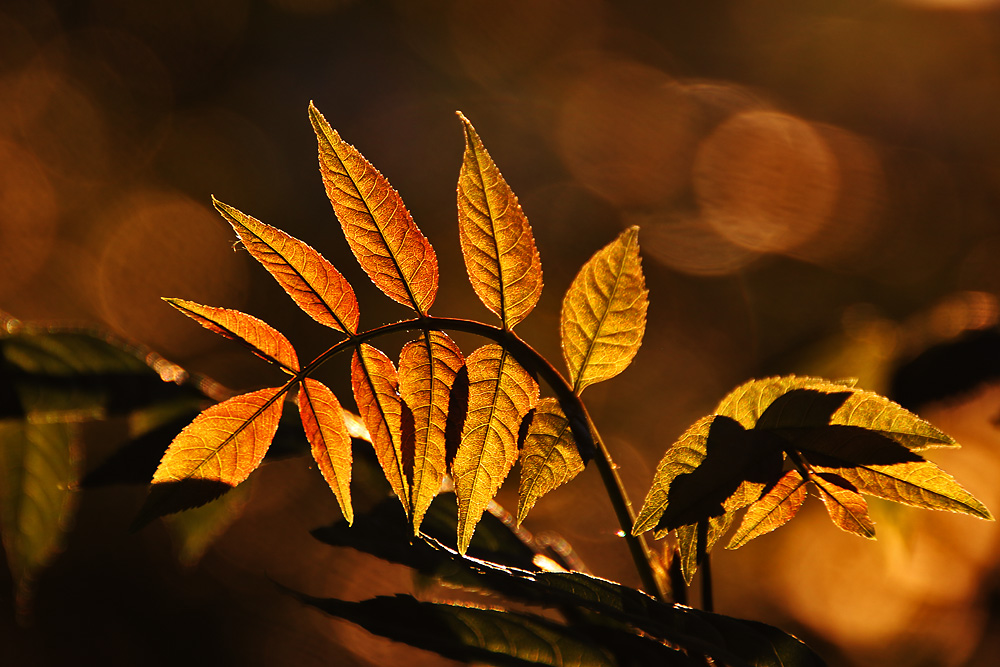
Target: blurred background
point(817, 184)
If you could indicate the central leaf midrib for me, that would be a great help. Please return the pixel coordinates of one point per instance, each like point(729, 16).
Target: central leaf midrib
point(600, 325)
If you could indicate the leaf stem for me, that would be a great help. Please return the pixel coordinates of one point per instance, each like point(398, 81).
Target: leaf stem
point(584, 431)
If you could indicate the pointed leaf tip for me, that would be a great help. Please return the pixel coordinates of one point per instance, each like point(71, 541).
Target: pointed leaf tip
point(329, 440)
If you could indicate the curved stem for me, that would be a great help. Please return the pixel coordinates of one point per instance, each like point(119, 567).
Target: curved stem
point(584, 430)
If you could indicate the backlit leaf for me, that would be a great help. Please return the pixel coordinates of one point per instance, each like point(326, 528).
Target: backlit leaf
point(262, 339)
point(470, 634)
point(774, 509)
point(38, 474)
point(501, 393)
point(312, 282)
point(387, 243)
point(847, 509)
point(329, 440)
point(748, 402)
point(549, 458)
point(604, 313)
point(376, 391)
point(497, 243)
point(428, 367)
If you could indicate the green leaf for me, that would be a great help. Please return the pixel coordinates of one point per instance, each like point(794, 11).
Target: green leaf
point(329, 440)
point(39, 466)
point(604, 313)
point(501, 393)
point(195, 530)
point(847, 509)
point(549, 457)
point(428, 368)
point(470, 634)
point(748, 402)
point(774, 509)
point(497, 243)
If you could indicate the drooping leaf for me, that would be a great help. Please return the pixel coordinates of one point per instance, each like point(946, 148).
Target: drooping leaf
point(879, 466)
point(195, 530)
point(470, 634)
point(549, 457)
point(774, 509)
point(847, 509)
point(39, 467)
point(387, 243)
point(428, 367)
point(497, 243)
point(604, 313)
point(329, 440)
point(376, 391)
point(312, 282)
point(501, 393)
point(263, 340)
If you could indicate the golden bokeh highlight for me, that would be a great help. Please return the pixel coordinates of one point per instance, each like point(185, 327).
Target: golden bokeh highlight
point(690, 245)
point(765, 181)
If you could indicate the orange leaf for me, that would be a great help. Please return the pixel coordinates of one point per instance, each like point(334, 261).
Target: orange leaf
point(312, 282)
point(501, 393)
point(427, 370)
point(499, 249)
point(774, 509)
point(376, 391)
point(387, 243)
point(847, 509)
point(323, 421)
point(263, 340)
point(226, 442)
point(550, 457)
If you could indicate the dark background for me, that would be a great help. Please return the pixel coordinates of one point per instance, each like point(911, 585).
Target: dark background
point(818, 189)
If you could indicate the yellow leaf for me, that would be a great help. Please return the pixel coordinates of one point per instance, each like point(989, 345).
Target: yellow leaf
point(387, 243)
point(427, 370)
point(312, 282)
point(847, 509)
point(376, 391)
point(604, 313)
point(774, 509)
point(501, 393)
point(262, 339)
point(549, 457)
point(497, 243)
point(329, 440)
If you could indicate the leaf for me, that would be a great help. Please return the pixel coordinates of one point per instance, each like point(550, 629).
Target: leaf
point(194, 530)
point(497, 243)
point(774, 509)
point(500, 394)
point(376, 391)
point(604, 313)
point(39, 467)
point(748, 402)
point(428, 367)
point(549, 458)
point(312, 282)
point(469, 634)
point(387, 243)
point(329, 440)
point(847, 509)
point(263, 340)
point(879, 466)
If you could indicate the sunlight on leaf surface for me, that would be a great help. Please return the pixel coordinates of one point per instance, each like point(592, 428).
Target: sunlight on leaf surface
point(549, 457)
point(774, 509)
point(376, 392)
point(497, 243)
point(263, 340)
point(604, 313)
point(386, 242)
point(312, 282)
point(329, 440)
point(847, 509)
point(501, 393)
point(428, 367)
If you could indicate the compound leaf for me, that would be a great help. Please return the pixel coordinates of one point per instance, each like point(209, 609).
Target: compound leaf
point(376, 392)
point(604, 313)
point(428, 367)
point(39, 467)
point(774, 509)
point(501, 393)
point(312, 282)
point(329, 439)
point(846, 507)
point(387, 243)
point(497, 243)
point(263, 340)
point(550, 457)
